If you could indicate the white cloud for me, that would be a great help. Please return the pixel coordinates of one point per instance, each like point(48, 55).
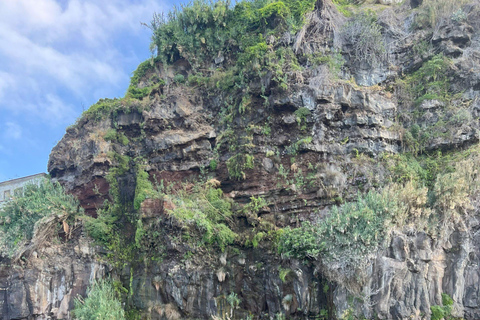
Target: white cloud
point(73, 70)
point(13, 131)
point(86, 19)
point(48, 47)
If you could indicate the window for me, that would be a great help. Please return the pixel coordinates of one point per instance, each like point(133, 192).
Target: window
point(7, 195)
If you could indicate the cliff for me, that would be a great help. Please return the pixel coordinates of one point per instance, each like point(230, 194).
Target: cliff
point(290, 159)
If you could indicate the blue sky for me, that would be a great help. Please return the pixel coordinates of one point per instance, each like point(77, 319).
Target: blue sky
point(58, 57)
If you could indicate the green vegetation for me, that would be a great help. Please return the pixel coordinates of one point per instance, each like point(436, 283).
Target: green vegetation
point(25, 216)
point(115, 136)
point(237, 165)
point(207, 210)
point(101, 303)
point(200, 30)
point(430, 82)
point(350, 230)
point(444, 311)
point(143, 189)
point(284, 273)
point(137, 91)
point(422, 194)
point(301, 115)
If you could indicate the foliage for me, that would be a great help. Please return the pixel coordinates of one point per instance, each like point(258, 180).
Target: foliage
point(213, 164)
point(433, 12)
point(453, 189)
point(179, 78)
point(98, 110)
point(284, 273)
point(255, 205)
point(297, 145)
point(442, 312)
point(351, 231)
point(301, 115)
point(363, 34)
point(237, 165)
point(143, 188)
point(208, 210)
point(101, 303)
point(431, 82)
point(101, 228)
point(345, 6)
point(302, 243)
point(20, 215)
point(105, 108)
point(115, 136)
point(201, 30)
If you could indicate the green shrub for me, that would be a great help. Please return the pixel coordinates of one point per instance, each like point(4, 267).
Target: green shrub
point(301, 115)
point(179, 78)
point(113, 135)
point(350, 231)
point(442, 312)
point(430, 82)
point(102, 227)
point(237, 165)
point(143, 189)
point(213, 164)
point(301, 243)
point(101, 109)
point(208, 210)
point(101, 303)
point(200, 30)
point(39, 201)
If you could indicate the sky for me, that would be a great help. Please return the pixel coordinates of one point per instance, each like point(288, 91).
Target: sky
point(58, 57)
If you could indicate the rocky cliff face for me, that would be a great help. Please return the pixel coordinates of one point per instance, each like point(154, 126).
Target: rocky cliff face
point(316, 142)
point(46, 285)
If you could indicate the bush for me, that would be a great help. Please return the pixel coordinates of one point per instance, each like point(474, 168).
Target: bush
point(113, 135)
point(363, 34)
point(237, 165)
point(201, 30)
point(208, 210)
point(20, 216)
point(430, 82)
point(354, 230)
point(101, 303)
point(442, 312)
point(179, 78)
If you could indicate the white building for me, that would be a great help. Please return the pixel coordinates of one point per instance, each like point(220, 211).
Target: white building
point(9, 188)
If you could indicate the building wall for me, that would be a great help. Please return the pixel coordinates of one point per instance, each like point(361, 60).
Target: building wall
point(7, 188)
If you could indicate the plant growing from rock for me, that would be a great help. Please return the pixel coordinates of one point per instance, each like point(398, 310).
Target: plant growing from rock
point(363, 35)
point(35, 215)
point(101, 303)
